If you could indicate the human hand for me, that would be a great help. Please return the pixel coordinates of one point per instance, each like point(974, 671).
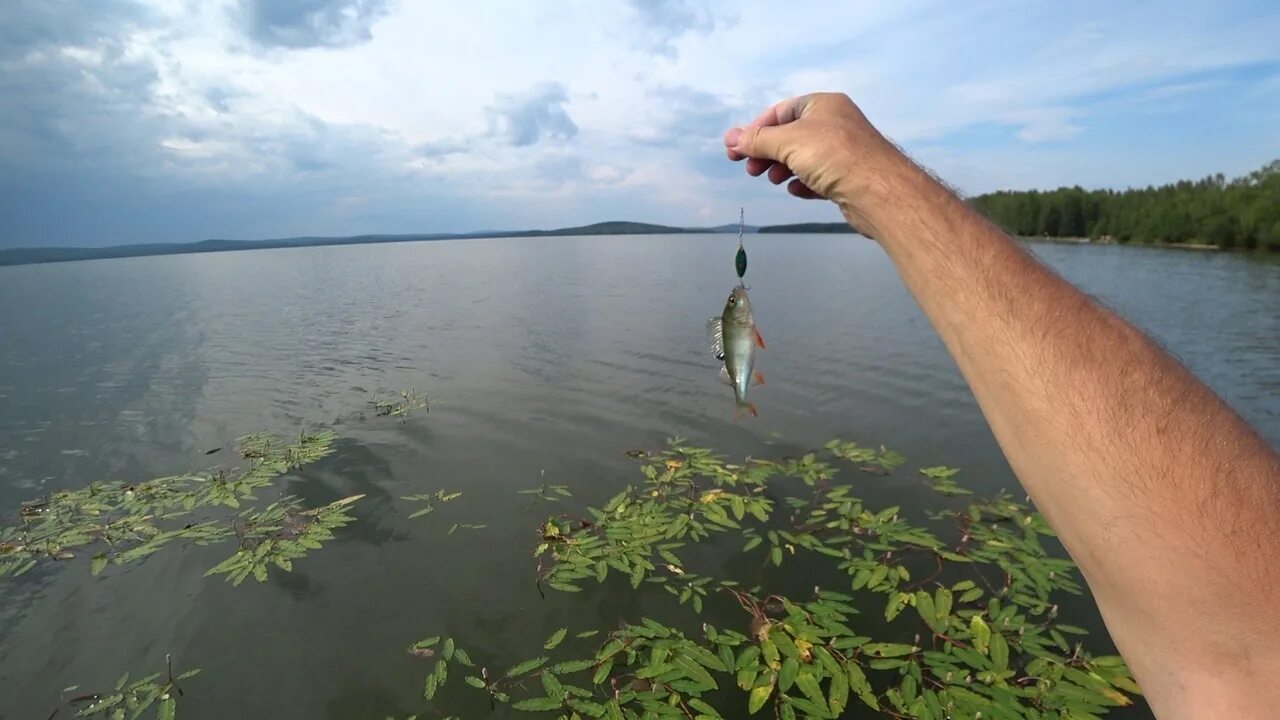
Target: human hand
point(826, 146)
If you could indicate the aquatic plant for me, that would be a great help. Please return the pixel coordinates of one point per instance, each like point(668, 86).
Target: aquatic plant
point(114, 523)
point(954, 618)
point(131, 699)
point(984, 643)
point(398, 404)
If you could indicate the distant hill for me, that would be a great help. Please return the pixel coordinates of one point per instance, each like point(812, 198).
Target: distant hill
point(836, 227)
point(731, 228)
point(25, 256)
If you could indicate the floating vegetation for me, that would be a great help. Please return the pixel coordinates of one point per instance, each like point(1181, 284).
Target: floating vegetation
point(955, 619)
point(445, 652)
point(984, 645)
point(547, 491)
point(399, 404)
point(466, 526)
point(279, 534)
point(132, 699)
point(114, 523)
point(430, 500)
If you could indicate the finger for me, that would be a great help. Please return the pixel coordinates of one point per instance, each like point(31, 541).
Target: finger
point(784, 112)
point(781, 113)
point(779, 173)
point(800, 190)
point(757, 166)
point(757, 141)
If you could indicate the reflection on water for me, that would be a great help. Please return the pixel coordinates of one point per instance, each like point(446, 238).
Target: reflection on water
point(554, 355)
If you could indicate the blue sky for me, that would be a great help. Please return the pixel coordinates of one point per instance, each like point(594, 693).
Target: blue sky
point(127, 121)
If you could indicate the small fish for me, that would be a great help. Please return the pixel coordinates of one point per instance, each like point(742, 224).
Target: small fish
point(734, 339)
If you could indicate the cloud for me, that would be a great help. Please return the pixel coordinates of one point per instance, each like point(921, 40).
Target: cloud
point(1044, 124)
point(125, 121)
point(311, 23)
point(526, 119)
point(666, 21)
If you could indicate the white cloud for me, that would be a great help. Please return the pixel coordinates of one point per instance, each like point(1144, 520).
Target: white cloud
point(573, 111)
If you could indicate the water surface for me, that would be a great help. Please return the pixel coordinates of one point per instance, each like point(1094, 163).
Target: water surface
point(550, 354)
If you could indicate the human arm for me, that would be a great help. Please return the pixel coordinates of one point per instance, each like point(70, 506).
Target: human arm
point(1167, 500)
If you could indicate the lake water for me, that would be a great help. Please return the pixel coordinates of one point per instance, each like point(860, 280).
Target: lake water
point(550, 354)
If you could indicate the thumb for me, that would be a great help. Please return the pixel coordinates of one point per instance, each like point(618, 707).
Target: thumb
point(758, 141)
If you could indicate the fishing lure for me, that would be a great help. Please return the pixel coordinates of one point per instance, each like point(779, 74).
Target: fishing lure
point(740, 260)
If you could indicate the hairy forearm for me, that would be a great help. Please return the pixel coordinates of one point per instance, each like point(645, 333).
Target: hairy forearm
point(1167, 500)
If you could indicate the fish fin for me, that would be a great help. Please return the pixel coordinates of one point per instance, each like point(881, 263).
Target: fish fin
point(745, 407)
point(759, 337)
point(725, 377)
point(715, 336)
point(757, 378)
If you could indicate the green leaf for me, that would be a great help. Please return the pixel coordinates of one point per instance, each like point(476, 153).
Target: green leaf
point(537, 704)
point(877, 576)
point(999, 653)
point(694, 671)
point(474, 681)
point(552, 686)
point(99, 561)
point(759, 695)
point(924, 606)
point(942, 608)
point(839, 695)
point(527, 666)
point(556, 638)
point(861, 687)
point(888, 649)
point(572, 666)
point(981, 633)
point(703, 708)
point(787, 675)
point(808, 685)
point(168, 709)
point(448, 649)
point(776, 555)
point(602, 672)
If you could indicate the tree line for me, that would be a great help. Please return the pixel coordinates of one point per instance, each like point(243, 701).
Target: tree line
point(1243, 213)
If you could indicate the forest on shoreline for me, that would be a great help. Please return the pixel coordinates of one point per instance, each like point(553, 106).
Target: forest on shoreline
point(1237, 214)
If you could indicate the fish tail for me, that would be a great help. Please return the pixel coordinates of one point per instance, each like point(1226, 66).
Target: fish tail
point(748, 407)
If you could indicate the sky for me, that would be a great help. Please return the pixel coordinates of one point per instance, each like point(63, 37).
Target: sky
point(138, 121)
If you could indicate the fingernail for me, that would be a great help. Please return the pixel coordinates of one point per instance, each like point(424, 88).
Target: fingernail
point(731, 138)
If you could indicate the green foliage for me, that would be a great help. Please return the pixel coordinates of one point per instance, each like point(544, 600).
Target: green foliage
point(429, 501)
point(133, 699)
point(547, 491)
point(279, 534)
point(1242, 213)
point(987, 639)
point(113, 523)
point(906, 622)
point(399, 404)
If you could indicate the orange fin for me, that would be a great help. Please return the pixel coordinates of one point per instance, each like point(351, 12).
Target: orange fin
point(747, 407)
point(759, 338)
point(757, 378)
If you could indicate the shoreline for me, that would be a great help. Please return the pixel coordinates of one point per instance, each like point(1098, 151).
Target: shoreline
point(1200, 247)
